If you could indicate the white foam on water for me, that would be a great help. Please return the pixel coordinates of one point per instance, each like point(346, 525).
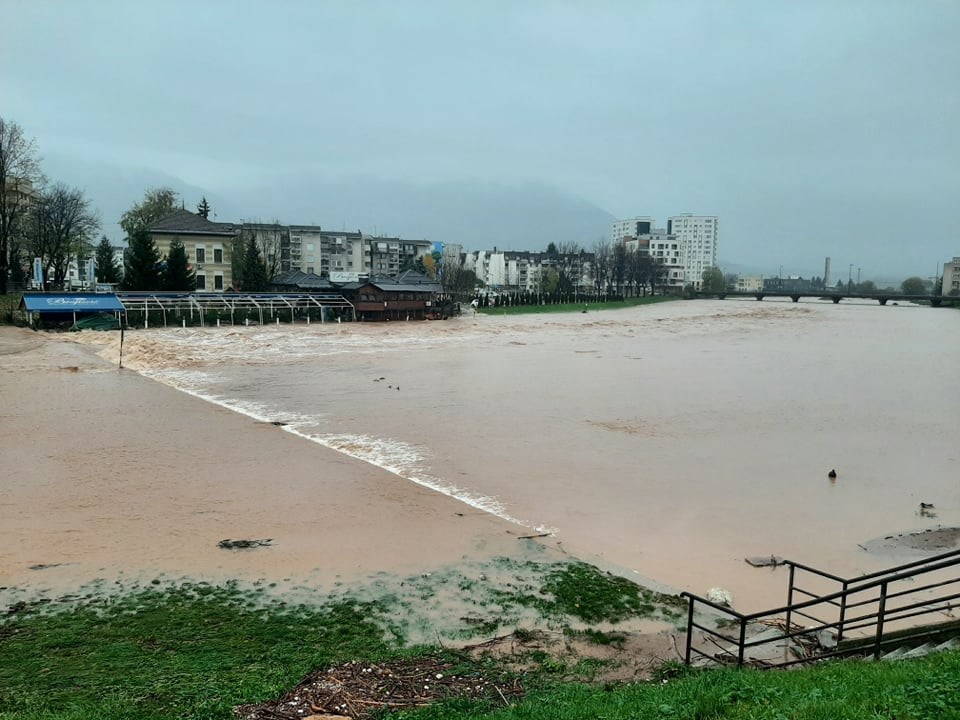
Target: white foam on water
point(398, 458)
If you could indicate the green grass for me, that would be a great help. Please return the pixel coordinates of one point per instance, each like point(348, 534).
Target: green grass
point(576, 307)
point(192, 651)
point(923, 689)
point(195, 651)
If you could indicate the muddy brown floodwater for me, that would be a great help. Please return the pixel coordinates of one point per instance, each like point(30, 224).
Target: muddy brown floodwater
point(672, 440)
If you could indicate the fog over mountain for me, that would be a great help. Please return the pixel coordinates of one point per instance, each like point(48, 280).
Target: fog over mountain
point(478, 215)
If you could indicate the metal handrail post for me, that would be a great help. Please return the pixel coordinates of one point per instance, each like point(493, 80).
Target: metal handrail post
point(686, 660)
point(790, 595)
point(843, 612)
point(880, 613)
point(743, 640)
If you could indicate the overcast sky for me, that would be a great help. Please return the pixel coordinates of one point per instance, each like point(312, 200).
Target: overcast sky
point(811, 129)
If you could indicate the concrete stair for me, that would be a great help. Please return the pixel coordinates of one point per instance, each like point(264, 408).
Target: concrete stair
point(904, 653)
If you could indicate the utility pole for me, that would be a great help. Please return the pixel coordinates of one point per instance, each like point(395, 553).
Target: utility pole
point(850, 278)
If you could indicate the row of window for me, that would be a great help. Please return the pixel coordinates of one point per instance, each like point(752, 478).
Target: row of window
point(202, 255)
point(202, 282)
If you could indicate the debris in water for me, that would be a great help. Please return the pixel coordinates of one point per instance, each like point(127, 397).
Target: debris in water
point(244, 544)
point(720, 596)
point(765, 560)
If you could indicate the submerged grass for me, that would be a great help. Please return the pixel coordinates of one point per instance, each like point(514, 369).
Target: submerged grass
point(577, 306)
point(584, 592)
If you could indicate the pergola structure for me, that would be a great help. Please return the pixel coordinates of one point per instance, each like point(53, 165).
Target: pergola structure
point(263, 304)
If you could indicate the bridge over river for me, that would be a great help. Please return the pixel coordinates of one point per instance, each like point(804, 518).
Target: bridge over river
point(836, 297)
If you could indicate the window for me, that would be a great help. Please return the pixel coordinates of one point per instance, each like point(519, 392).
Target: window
point(218, 255)
point(218, 282)
point(309, 269)
point(309, 247)
point(201, 255)
point(201, 282)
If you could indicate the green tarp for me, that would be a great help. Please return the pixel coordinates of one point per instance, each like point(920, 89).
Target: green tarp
point(101, 321)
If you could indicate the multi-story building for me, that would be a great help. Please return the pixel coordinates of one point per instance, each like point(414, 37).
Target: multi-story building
point(273, 239)
point(697, 237)
point(686, 248)
point(667, 251)
point(751, 283)
point(632, 227)
point(209, 246)
point(523, 271)
point(388, 255)
point(951, 277)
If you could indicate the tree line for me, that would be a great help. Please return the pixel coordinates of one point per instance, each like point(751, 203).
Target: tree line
point(38, 218)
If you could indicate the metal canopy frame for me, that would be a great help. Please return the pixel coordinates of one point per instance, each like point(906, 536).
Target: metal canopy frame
point(261, 303)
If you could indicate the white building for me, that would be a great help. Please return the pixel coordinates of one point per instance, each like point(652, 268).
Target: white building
point(750, 283)
point(632, 227)
point(951, 277)
point(665, 249)
point(697, 236)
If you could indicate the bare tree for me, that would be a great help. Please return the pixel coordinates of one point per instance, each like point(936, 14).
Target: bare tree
point(60, 229)
point(19, 177)
point(157, 203)
point(618, 266)
point(568, 261)
point(456, 279)
point(600, 268)
point(273, 244)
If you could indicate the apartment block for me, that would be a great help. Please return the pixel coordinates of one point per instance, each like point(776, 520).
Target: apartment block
point(697, 236)
point(631, 227)
point(951, 277)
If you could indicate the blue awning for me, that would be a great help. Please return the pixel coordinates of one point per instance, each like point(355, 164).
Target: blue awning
point(71, 302)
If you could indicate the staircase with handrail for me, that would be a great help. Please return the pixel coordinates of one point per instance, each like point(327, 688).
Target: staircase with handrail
point(904, 607)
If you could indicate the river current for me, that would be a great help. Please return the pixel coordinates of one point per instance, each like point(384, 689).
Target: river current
point(671, 440)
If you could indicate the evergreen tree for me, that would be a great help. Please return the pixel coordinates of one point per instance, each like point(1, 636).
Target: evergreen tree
point(254, 272)
point(141, 266)
point(178, 275)
point(108, 271)
point(203, 208)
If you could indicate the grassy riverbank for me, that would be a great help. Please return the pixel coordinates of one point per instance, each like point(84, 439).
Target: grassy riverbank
point(575, 307)
point(197, 651)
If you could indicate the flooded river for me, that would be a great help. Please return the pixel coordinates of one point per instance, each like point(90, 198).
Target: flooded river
point(672, 440)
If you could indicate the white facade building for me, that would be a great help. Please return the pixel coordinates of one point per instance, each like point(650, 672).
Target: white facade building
point(697, 236)
point(753, 283)
point(632, 227)
point(951, 277)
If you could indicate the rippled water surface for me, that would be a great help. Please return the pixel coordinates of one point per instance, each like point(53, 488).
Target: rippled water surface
point(674, 439)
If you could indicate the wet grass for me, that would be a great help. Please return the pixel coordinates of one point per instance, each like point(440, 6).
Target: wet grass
point(922, 689)
point(575, 307)
point(191, 651)
point(195, 651)
point(583, 592)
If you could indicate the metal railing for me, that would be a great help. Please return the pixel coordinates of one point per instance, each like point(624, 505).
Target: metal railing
point(859, 616)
